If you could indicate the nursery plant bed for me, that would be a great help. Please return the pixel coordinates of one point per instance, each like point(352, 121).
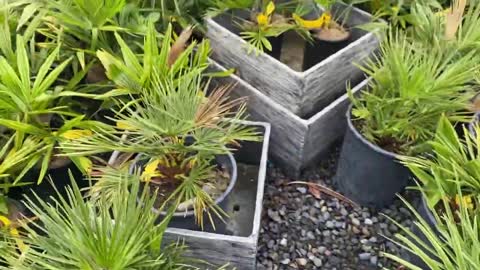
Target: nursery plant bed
point(300, 92)
point(235, 241)
point(296, 141)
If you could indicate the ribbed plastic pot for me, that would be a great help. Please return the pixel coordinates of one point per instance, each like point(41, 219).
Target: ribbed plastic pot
point(228, 161)
point(366, 173)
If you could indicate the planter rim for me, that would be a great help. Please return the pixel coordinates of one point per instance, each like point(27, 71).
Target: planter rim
point(233, 181)
point(359, 136)
point(306, 121)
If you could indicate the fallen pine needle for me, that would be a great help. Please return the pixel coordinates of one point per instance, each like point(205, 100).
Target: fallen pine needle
point(327, 191)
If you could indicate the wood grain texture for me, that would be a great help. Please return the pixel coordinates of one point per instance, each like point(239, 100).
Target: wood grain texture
point(299, 92)
point(239, 252)
point(295, 142)
point(274, 78)
point(327, 126)
point(218, 249)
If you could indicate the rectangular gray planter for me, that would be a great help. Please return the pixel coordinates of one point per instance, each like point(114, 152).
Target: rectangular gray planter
point(296, 142)
point(298, 92)
point(234, 242)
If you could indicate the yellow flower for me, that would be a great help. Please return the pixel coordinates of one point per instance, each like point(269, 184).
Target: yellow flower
point(464, 201)
point(75, 134)
point(322, 21)
point(151, 171)
point(262, 19)
point(395, 9)
point(122, 124)
point(13, 232)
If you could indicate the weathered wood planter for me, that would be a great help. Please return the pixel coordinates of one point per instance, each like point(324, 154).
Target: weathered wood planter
point(302, 92)
point(296, 142)
point(233, 242)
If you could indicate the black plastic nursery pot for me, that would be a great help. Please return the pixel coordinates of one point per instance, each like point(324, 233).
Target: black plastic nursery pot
point(367, 174)
point(225, 161)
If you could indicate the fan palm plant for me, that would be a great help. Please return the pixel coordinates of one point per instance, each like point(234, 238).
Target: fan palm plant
point(403, 103)
point(74, 233)
point(160, 123)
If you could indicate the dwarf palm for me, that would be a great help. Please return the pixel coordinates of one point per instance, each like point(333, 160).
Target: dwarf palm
point(74, 233)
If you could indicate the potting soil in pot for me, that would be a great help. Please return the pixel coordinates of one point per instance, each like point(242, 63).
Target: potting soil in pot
point(165, 186)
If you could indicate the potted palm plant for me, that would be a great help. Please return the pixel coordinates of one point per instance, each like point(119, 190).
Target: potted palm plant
point(399, 111)
point(451, 174)
point(181, 136)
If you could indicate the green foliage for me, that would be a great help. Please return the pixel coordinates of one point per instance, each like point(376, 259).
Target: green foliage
point(268, 19)
point(457, 246)
point(454, 163)
point(132, 74)
point(74, 233)
point(411, 88)
point(398, 13)
point(29, 101)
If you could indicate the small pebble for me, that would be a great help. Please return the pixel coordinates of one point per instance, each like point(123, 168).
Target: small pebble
point(368, 222)
point(302, 190)
point(330, 224)
point(355, 222)
point(317, 262)
point(364, 256)
point(301, 261)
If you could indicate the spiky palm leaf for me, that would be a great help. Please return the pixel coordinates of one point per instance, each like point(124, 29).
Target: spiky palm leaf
point(74, 233)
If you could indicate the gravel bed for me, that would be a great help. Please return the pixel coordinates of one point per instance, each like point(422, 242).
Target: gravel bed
point(300, 231)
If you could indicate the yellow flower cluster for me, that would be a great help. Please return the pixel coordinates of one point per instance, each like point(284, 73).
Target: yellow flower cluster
point(464, 201)
point(13, 232)
point(263, 19)
point(151, 170)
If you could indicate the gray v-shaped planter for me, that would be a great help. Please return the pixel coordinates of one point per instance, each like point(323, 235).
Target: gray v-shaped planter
point(298, 92)
point(296, 142)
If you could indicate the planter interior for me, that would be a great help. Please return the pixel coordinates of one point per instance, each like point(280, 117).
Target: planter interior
point(314, 52)
point(300, 92)
point(226, 161)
